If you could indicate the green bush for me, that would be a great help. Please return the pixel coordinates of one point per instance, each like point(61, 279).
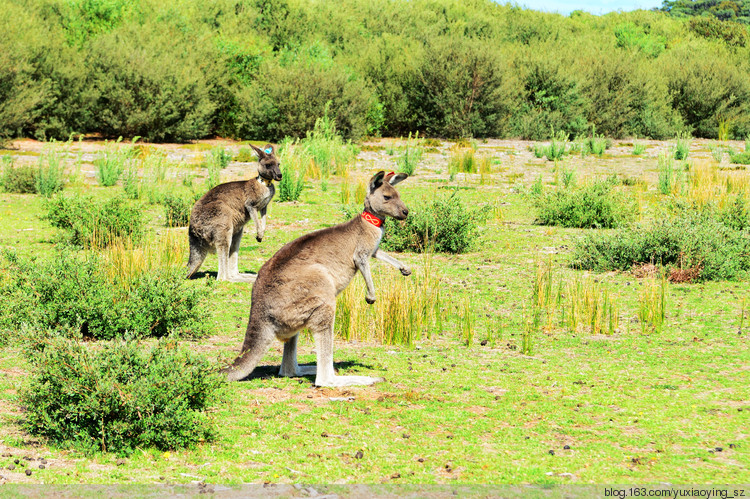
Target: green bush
point(462, 88)
point(118, 397)
point(551, 97)
point(597, 205)
point(708, 89)
point(736, 215)
point(146, 83)
point(177, 209)
point(627, 95)
point(557, 147)
point(739, 158)
point(80, 295)
point(295, 90)
point(90, 223)
point(690, 240)
point(443, 225)
point(597, 144)
point(20, 180)
point(732, 33)
point(630, 36)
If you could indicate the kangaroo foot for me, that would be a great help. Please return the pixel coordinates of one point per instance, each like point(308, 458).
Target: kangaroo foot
point(300, 371)
point(243, 278)
point(337, 381)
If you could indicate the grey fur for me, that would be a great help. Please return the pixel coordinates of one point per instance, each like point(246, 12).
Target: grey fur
point(297, 288)
point(218, 218)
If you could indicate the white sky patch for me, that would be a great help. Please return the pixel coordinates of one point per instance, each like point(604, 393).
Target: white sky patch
point(600, 7)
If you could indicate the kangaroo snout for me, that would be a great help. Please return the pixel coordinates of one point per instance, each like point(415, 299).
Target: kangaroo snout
point(277, 177)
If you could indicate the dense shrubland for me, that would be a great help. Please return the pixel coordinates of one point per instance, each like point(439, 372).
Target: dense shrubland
point(257, 68)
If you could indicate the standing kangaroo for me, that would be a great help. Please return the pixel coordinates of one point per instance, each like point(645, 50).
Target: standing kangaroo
point(219, 217)
point(297, 287)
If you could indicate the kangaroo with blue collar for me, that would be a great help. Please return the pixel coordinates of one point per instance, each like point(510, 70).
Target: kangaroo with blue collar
point(218, 218)
point(297, 287)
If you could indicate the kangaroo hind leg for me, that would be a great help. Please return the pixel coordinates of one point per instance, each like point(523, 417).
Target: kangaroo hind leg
point(289, 366)
point(233, 261)
point(321, 325)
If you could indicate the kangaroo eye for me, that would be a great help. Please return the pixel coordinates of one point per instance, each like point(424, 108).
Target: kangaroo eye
point(387, 198)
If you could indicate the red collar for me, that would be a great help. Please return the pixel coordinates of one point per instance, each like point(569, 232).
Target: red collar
point(369, 217)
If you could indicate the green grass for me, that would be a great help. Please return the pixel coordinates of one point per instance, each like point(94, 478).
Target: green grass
point(635, 406)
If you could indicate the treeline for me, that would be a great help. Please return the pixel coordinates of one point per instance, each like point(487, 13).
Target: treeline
point(726, 10)
point(266, 69)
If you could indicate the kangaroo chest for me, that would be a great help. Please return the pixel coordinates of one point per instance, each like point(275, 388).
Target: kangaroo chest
point(263, 195)
point(268, 191)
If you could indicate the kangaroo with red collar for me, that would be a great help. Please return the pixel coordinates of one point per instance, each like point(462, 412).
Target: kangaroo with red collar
point(297, 287)
point(218, 218)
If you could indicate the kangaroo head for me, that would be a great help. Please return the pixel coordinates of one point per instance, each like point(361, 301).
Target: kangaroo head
point(268, 164)
point(382, 199)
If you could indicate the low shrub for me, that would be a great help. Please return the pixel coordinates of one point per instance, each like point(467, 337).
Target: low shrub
point(739, 158)
point(112, 162)
point(691, 240)
point(462, 160)
point(328, 151)
point(667, 180)
point(557, 147)
point(119, 396)
point(49, 176)
point(598, 144)
point(84, 295)
point(291, 184)
point(245, 155)
point(681, 147)
point(443, 225)
point(410, 155)
point(177, 210)
point(595, 205)
point(90, 223)
point(221, 157)
point(19, 180)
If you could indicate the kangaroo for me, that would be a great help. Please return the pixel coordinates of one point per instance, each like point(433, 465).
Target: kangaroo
point(218, 218)
point(297, 287)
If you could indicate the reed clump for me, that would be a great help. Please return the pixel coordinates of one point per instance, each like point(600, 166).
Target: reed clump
point(406, 310)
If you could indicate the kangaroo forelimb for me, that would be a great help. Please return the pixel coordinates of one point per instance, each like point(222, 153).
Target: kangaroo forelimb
point(385, 257)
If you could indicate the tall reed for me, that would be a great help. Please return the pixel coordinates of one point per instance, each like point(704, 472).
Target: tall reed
point(406, 309)
point(127, 258)
point(652, 304)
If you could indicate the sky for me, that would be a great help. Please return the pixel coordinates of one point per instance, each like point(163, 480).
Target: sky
point(595, 7)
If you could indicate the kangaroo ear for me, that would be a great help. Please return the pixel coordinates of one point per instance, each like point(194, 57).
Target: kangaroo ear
point(258, 151)
point(399, 177)
point(376, 181)
point(269, 149)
